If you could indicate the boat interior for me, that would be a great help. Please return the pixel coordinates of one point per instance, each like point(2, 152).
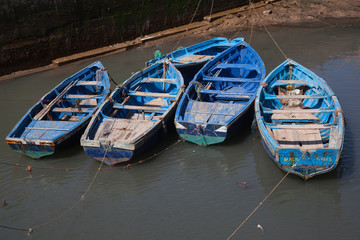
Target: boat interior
point(298, 113)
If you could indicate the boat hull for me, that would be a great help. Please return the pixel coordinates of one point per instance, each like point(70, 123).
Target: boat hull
point(59, 118)
point(37, 149)
point(308, 164)
point(209, 134)
point(305, 137)
point(112, 156)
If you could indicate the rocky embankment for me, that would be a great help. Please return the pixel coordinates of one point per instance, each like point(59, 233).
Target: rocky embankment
point(264, 13)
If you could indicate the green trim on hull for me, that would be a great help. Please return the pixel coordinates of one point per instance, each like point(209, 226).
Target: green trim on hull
point(202, 140)
point(34, 154)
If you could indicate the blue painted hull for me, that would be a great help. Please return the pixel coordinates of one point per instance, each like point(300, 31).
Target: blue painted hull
point(33, 149)
point(300, 121)
point(61, 116)
point(207, 135)
point(219, 101)
point(188, 68)
point(113, 156)
point(136, 116)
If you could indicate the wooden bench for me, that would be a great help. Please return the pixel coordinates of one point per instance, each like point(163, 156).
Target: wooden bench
point(161, 80)
point(140, 108)
point(88, 83)
point(272, 96)
point(302, 111)
point(236, 65)
point(73, 110)
point(299, 126)
point(77, 96)
point(228, 79)
point(299, 138)
point(151, 94)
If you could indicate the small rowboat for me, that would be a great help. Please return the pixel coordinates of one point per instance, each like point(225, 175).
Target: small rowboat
point(300, 121)
point(61, 116)
point(189, 60)
point(135, 116)
point(218, 103)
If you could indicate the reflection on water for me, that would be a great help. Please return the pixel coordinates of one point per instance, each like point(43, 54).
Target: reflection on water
point(190, 192)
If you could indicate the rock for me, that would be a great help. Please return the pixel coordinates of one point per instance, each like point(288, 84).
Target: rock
point(267, 12)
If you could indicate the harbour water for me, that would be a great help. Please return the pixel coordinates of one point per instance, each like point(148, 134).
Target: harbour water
point(189, 191)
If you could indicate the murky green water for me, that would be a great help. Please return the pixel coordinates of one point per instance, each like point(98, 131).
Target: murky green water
point(190, 192)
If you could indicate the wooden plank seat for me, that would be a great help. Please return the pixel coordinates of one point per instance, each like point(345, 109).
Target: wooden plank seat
point(73, 110)
point(287, 82)
point(299, 138)
point(194, 58)
point(294, 116)
point(140, 108)
point(88, 83)
point(161, 80)
point(77, 96)
point(284, 111)
point(236, 65)
point(150, 94)
point(300, 126)
point(272, 96)
point(227, 79)
point(235, 93)
point(46, 128)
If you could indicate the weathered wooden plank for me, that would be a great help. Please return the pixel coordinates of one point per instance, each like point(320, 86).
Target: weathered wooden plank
point(299, 138)
point(72, 110)
point(151, 94)
point(291, 82)
point(44, 128)
point(194, 58)
point(310, 138)
point(235, 65)
point(226, 79)
point(302, 111)
point(300, 126)
point(78, 96)
point(269, 96)
point(141, 108)
point(87, 83)
point(294, 116)
point(46, 109)
point(285, 138)
point(162, 80)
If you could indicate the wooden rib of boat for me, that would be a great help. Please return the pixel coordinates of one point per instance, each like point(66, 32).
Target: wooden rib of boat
point(190, 59)
point(59, 118)
point(218, 103)
point(135, 116)
point(300, 121)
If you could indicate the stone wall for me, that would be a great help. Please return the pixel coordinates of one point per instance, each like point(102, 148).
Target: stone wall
point(32, 33)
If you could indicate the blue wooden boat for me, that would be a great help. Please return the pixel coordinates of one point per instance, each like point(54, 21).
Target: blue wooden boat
point(190, 59)
point(59, 118)
point(135, 116)
point(218, 103)
point(300, 121)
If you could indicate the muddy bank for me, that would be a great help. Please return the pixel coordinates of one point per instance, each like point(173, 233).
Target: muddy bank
point(257, 15)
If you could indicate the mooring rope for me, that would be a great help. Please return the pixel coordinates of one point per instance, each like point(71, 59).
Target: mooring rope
point(31, 230)
point(267, 196)
point(268, 32)
point(188, 26)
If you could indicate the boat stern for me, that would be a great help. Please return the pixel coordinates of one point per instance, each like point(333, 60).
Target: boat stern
point(307, 163)
point(34, 149)
point(202, 134)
